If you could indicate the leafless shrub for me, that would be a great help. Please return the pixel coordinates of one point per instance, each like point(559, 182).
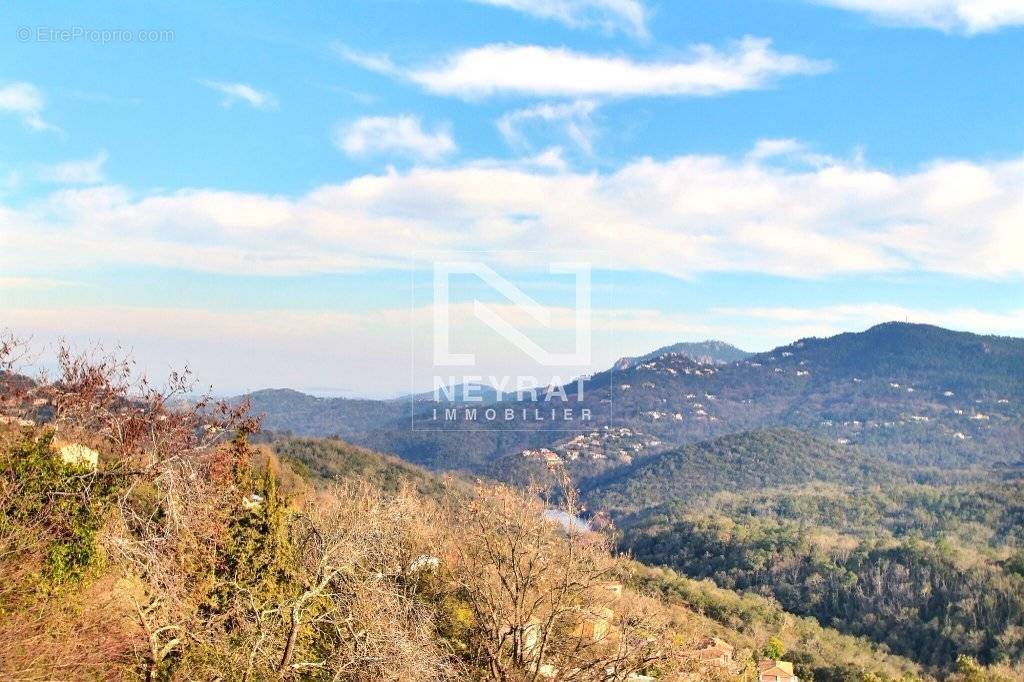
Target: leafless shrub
point(211, 574)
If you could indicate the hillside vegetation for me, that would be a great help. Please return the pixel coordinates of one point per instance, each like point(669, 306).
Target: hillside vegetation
point(764, 459)
point(930, 570)
point(187, 553)
point(331, 460)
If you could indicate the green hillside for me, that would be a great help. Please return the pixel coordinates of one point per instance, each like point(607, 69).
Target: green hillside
point(333, 460)
point(772, 459)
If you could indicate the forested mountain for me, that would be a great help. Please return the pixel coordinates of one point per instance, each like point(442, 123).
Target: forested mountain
point(769, 459)
point(912, 394)
point(706, 352)
point(917, 598)
point(933, 569)
point(288, 411)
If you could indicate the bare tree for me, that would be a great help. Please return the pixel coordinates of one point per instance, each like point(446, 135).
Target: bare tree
point(544, 598)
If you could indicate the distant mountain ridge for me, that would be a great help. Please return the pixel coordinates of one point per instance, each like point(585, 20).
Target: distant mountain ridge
point(288, 411)
point(914, 394)
point(710, 352)
point(462, 393)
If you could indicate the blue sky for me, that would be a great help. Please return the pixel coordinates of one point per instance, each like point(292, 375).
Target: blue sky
point(226, 187)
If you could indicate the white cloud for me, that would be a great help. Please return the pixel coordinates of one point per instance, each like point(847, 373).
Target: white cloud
point(377, 63)
point(788, 149)
point(550, 159)
point(241, 92)
point(392, 135)
point(82, 172)
point(572, 117)
point(967, 16)
point(747, 64)
point(629, 16)
point(768, 148)
point(680, 216)
point(26, 101)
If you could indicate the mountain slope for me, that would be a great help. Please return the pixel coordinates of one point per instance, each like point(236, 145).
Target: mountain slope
point(754, 460)
point(286, 410)
point(322, 460)
point(913, 394)
point(708, 352)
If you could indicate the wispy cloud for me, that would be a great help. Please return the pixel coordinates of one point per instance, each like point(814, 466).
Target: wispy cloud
point(628, 16)
point(81, 172)
point(679, 216)
point(242, 92)
point(377, 63)
point(26, 101)
point(966, 16)
point(573, 117)
point(771, 147)
point(530, 70)
point(788, 149)
point(402, 135)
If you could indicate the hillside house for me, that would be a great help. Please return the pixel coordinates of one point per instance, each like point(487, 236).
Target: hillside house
point(776, 671)
point(550, 457)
